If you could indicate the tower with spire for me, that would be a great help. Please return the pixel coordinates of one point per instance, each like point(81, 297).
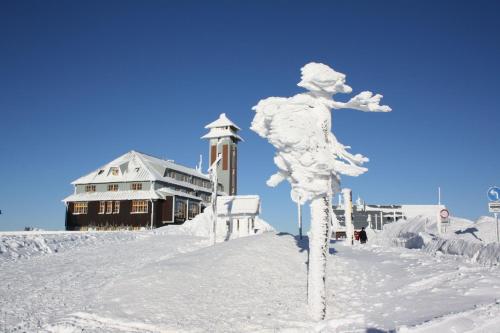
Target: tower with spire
point(223, 140)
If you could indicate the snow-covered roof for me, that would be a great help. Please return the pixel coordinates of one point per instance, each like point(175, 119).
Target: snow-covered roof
point(165, 191)
point(133, 167)
point(238, 205)
point(161, 193)
point(218, 132)
point(223, 121)
point(114, 195)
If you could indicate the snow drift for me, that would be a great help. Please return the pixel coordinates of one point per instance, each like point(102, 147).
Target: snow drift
point(201, 226)
point(22, 245)
point(471, 240)
point(19, 245)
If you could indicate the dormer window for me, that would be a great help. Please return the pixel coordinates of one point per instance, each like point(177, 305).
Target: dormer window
point(113, 171)
point(89, 188)
point(136, 186)
point(113, 187)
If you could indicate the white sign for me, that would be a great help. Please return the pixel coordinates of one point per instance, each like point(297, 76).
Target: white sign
point(494, 207)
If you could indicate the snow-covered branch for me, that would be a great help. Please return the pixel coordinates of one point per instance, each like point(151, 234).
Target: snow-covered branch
point(364, 101)
point(299, 127)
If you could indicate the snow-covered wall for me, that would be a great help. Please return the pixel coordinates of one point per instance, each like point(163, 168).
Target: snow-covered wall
point(19, 245)
point(201, 226)
point(472, 240)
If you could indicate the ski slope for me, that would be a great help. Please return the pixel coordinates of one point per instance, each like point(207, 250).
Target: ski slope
point(176, 282)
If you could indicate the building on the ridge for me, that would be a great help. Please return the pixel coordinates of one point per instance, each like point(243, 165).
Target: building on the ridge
point(376, 216)
point(136, 191)
point(223, 139)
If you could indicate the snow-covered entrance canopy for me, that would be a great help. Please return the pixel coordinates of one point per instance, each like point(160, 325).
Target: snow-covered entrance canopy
point(238, 205)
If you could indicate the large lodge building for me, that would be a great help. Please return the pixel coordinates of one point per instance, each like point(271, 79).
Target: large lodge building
point(137, 190)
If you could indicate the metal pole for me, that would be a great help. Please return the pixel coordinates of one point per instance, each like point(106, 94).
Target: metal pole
point(498, 236)
point(299, 211)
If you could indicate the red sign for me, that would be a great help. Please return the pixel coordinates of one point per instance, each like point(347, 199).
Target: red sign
point(444, 213)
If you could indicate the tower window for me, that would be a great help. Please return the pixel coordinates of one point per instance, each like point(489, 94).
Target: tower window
point(213, 154)
point(225, 157)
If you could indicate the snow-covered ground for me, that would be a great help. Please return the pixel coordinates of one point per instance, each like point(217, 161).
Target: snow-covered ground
point(170, 280)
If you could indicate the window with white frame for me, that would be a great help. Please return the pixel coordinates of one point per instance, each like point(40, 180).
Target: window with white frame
point(139, 206)
point(113, 171)
point(89, 188)
point(109, 207)
point(193, 210)
point(136, 186)
point(116, 207)
point(113, 187)
point(80, 207)
point(180, 208)
point(102, 207)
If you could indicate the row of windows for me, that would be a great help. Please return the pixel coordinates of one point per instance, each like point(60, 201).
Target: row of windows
point(80, 208)
point(183, 177)
point(110, 207)
point(114, 187)
point(181, 209)
point(139, 206)
point(204, 196)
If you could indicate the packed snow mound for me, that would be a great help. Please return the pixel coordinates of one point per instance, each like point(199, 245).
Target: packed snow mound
point(19, 245)
point(472, 240)
point(201, 226)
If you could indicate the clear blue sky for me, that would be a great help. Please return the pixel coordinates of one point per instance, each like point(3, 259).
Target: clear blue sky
point(84, 82)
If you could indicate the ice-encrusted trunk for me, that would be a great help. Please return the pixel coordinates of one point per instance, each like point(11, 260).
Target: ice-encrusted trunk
point(319, 238)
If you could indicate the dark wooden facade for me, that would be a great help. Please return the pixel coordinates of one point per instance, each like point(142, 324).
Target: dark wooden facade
point(162, 214)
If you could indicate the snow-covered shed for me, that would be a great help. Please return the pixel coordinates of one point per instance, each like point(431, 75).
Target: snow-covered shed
point(239, 213)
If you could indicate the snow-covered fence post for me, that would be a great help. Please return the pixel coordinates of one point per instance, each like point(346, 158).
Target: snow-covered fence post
point(215, 182)
point(349, 227)
point(311, 159)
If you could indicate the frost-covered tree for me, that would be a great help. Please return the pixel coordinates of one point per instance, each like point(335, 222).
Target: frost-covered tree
point(309, 156)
